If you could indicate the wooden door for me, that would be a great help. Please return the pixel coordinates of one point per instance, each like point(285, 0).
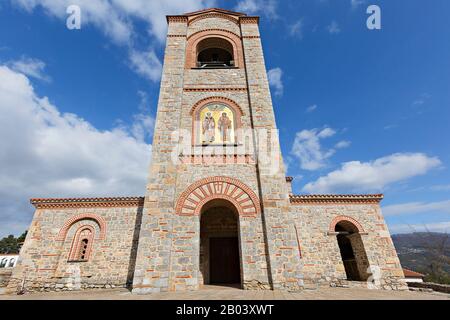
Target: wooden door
point(224, 260)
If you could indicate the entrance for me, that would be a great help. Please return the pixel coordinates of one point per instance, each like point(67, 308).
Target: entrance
point(219, 244)
point(352, 251)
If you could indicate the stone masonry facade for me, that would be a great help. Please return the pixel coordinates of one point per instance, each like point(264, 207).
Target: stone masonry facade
point(154, 243)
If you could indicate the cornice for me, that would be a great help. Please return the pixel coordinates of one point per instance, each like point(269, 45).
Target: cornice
point(41, 203)
point(213, 89)
point(178, 18)
point(249, 20)
point(337, 199)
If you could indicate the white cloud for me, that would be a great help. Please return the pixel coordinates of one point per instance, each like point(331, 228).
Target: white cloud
point(154, 12)
point(117, 19)
point(356, 176)
point(102, 14)
point(311, 108)
point(146, 64)
point(49, 154)
point(443, 227)
point(356, 3)
point(275, 80)
point(296, 29)
point(342, 144)
point(421, 100)
point(114, 17)
point(326, 133)
point(308, 150)
point(333, 28)
point(265, 7)
point(441, 187)
point(417, 207)
point(390, 126)
point(29, 66)
point(143, 124)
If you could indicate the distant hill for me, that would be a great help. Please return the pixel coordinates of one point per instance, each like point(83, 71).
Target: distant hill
point(425, 252)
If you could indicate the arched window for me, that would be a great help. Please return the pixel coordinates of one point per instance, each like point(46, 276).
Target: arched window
point(215, 52)
point(11, 262)
point(3, 263)
point(82, 244)
point(216, 123)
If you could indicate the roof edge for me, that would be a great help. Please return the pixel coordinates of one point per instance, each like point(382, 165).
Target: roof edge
point(186, 16)
point(207, 10)
point(333, 198)
point(40, 203)
point(412, 273)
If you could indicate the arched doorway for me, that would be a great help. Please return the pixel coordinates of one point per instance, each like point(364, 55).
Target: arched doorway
point(219, 244)
point(352, 251)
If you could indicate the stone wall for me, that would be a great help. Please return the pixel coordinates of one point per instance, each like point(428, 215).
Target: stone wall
point(282, 245)
point(5, 275)
point(153, 259)
point(445, 288)
point(44, 263)
point(322, 262)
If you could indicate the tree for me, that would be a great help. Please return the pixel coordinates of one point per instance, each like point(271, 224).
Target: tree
point(11, 244)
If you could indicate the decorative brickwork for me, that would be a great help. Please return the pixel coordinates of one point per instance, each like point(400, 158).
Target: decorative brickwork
point(212, 31)
point(82, 244)
point(338, 219)
point(249, 20)
point(218, 99)
point(335, 199)
point(53, 203)
point(241, 196)
point(213, 15)
point(217, 159)
point(213, 89)
point(176, 19)
point(101, 222)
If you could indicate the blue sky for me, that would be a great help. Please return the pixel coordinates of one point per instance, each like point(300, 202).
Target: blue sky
point(359, 111)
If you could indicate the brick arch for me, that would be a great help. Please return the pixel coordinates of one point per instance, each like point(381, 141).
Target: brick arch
point(225, 100)
point(194, 39)
point(83, 216)
point(338, 219)
point(201, 192)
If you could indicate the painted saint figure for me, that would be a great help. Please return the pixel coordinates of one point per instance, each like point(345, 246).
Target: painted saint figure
point(224, 125)
point(208, 126)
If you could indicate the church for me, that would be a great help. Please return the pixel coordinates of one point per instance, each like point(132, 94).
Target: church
point(218, 206)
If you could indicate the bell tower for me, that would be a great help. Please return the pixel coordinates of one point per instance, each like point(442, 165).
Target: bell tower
point(217, 204)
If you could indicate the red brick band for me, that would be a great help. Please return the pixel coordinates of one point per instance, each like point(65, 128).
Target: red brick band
point(338, 219)
point(83, 216)
point(201, 192)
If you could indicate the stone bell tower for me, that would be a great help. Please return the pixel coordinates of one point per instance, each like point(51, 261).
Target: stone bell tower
point(217, 202)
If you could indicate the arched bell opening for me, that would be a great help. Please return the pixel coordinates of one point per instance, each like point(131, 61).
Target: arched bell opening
point(215, 52)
